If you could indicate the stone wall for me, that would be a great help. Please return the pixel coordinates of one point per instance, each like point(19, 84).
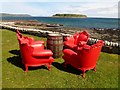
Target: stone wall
point(109, 47)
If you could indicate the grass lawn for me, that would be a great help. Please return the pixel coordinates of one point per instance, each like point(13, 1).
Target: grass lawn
point(13, 75)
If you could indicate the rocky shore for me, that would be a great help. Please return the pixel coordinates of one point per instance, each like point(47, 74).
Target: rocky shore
point(110, 36)
point(104, 34)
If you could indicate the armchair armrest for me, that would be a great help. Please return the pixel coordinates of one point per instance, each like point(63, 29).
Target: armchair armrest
point(42, 53)
point(39, 42)
point(69, 52)
point(37, 47)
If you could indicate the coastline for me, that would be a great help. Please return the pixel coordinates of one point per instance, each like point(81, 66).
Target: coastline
point(74, 22)
point(98, 33)
point(109, 36)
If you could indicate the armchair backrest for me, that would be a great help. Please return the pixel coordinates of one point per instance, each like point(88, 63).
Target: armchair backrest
point(25, 49)
point(26, 53)
point(19, 35)
point(81, 36)
point(89, 54)
point(24, 46)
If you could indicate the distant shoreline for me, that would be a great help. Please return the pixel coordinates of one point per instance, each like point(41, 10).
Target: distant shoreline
point(104, 23)
point(28, 15)
point(64, 17)
point(99, 33)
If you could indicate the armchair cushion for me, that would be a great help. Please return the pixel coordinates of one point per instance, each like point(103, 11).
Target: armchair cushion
point(42, 53)
point(69, 52)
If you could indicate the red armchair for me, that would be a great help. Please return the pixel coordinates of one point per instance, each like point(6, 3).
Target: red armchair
point(34, 54)
point(30, 39)
point(78, 38)
point(85, 58)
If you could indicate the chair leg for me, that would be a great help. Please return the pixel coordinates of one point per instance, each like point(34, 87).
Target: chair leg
point(65, 64)
point(94, 68)
point(83, 74)
point(49, 67)
point(26, 68)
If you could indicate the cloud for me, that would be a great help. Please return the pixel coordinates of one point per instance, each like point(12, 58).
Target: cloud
point(107, 11)
point(59, 0)
point(92, 9)
point(22, 8)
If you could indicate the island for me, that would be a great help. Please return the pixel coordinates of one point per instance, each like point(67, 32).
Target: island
point(14, 15)
point(70, 15)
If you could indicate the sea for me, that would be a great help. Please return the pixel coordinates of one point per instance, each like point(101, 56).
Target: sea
point(109, 23)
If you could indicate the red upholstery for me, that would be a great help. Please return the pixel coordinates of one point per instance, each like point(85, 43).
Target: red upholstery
point(85, 58)
point(78, 38)
point(34, 54)
point(31, 39)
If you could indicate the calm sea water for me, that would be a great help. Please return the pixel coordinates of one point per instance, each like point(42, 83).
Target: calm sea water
point(74, 22)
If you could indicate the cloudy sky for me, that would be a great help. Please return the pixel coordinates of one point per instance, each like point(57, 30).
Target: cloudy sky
point(91, 8)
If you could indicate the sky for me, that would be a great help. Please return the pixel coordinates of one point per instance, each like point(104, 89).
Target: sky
point(91, 8)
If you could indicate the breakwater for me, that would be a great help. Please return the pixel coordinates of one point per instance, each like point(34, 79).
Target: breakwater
point(110, 47)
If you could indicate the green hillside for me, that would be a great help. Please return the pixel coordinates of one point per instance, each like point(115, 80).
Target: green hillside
point(14, 15)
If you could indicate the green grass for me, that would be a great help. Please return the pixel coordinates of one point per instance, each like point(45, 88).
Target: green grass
point(13, 75)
